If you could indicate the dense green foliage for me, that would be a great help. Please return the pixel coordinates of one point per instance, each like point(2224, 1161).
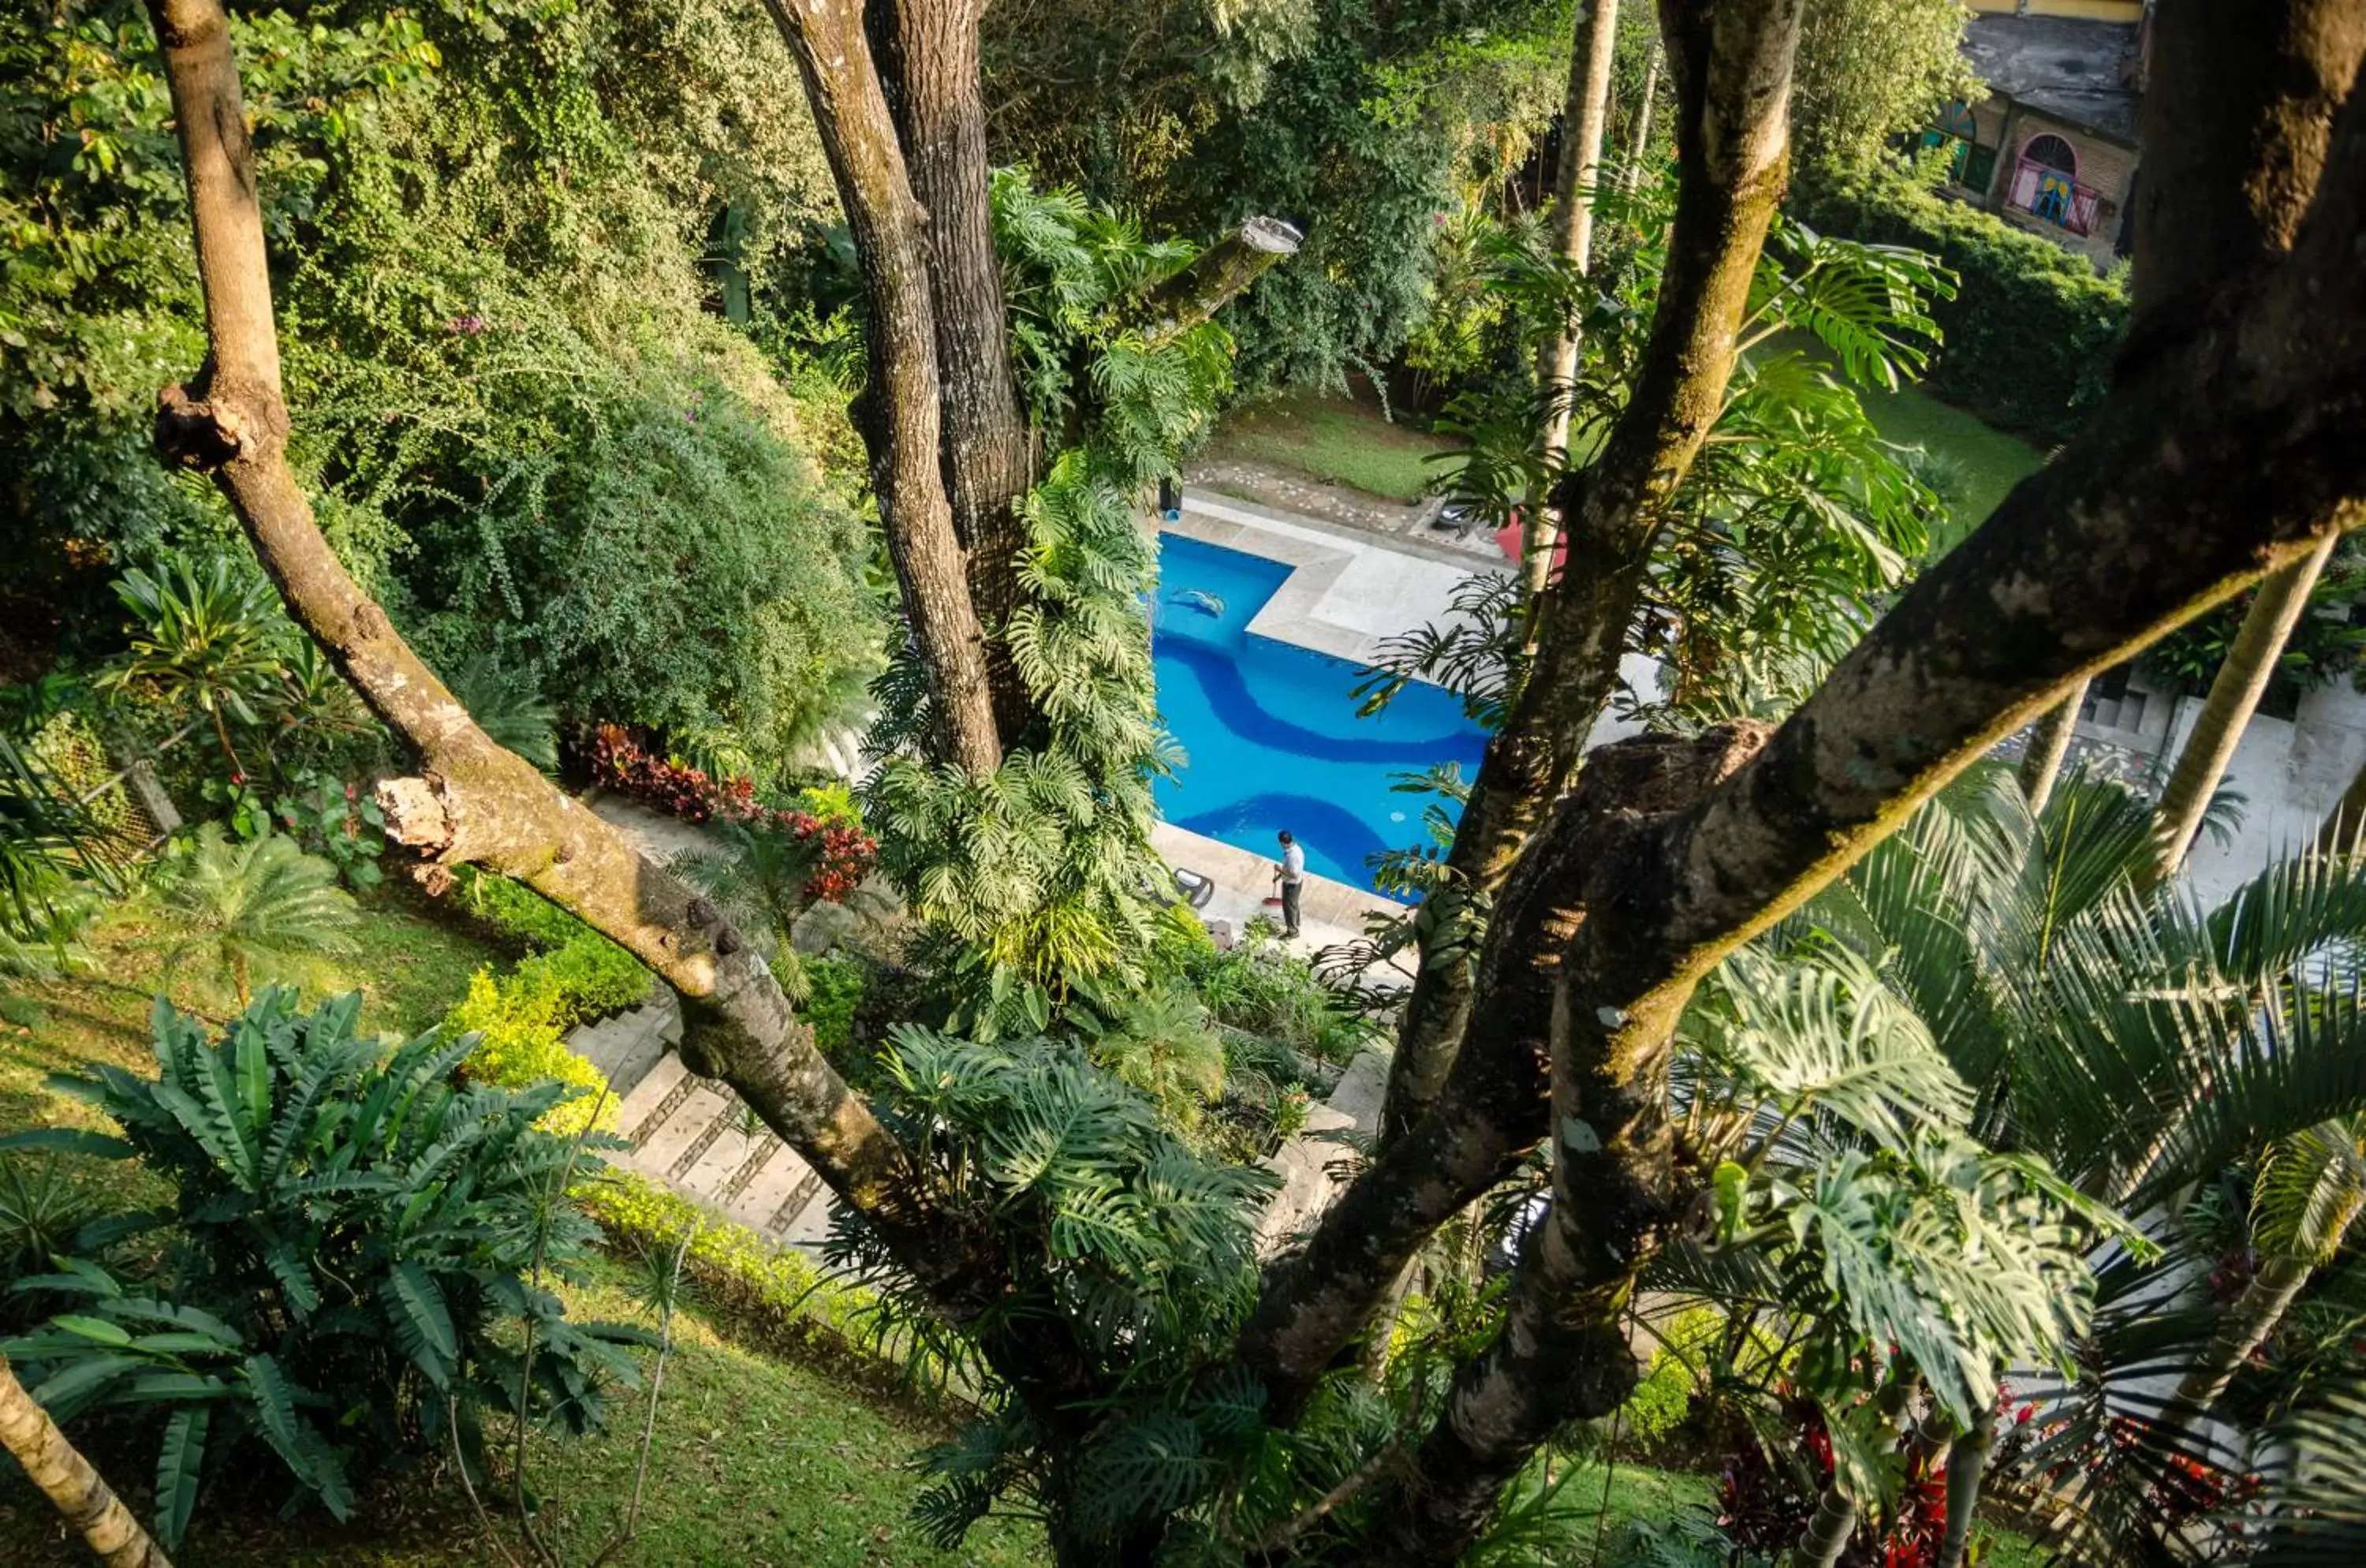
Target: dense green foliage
point(1366, 123)
point(1869, 70)
point(2030, 335)
point(356, 1244)
point(1042, 876)
point(574, 972)
point(511, 434)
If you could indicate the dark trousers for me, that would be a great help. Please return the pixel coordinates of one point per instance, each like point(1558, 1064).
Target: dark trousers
point(1289, 890)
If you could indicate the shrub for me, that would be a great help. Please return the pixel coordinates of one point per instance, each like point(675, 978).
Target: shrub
point(834, 989)
point(587, 979)
point(257, 910)
point(585, 975)
point(521, 1042)
point(358, 1240)
point(2030, 335)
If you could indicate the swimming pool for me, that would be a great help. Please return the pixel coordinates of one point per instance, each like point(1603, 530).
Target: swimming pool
point(1269, 732)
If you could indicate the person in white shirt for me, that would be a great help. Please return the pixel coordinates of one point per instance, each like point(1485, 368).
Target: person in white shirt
point(1291, 873)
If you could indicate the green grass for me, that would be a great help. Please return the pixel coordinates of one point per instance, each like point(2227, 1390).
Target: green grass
point(755, 1462)
point(1331, 438)
point(1988, 462)
point(409, 969)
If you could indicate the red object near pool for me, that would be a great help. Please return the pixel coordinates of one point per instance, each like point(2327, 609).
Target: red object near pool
point(1508, 539)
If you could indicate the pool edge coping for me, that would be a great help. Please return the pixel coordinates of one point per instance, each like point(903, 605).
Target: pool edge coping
point(1287, 616)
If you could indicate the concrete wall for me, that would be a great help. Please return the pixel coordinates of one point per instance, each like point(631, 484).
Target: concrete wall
point(2290, 773)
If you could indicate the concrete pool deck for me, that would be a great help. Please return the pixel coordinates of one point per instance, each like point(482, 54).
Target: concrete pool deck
point(1350, 591)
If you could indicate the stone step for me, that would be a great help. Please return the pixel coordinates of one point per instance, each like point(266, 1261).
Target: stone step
point(782, 1176)
point(809, 1227)
point(690, 1126)
point(641, 1108)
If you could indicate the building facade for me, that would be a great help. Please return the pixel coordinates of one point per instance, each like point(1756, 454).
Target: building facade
point(2052, 148)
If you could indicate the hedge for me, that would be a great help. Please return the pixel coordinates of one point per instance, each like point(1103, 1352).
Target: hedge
point(2030, 335)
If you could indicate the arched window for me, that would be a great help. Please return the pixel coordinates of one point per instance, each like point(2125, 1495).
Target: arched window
point(2053, 152)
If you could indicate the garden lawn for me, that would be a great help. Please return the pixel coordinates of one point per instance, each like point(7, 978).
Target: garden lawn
point(1332, 438)
point(409, 965)
point(756, 1463)
point(1991, 461)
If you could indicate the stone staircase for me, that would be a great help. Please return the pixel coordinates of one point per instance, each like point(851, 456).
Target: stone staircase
point(693, 1135)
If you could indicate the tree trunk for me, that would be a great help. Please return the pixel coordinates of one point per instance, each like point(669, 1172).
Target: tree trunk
point(1827, 1533)
point(931, 66)
point(2223, 455)
point(1641, 148)
point(2235, 694)
point(475, 802)
point(1219, 275)
point(2346, 823)
point(902, 421)
point(1731, 66)
point(1584, 118)
point(67, 1480)
point(1967, 1466)
point(1496, 1103)
point(2243, 1329)
point(2041, 765)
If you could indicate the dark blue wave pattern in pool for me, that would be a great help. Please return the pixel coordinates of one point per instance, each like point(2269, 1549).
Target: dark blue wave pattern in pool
point(1270, 732)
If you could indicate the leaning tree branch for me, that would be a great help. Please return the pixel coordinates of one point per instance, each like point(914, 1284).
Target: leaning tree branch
point(2232, 453)
point(1216, 277)
point(1731, 67)
point(474, 802)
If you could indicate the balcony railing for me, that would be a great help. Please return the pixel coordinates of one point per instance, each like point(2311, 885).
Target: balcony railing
point(2052, 197)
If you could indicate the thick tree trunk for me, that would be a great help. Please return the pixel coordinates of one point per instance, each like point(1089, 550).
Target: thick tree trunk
point(931, 65)
point(2041, 765)
point(2228, 455)
point(1496, 1103)
point(1731, 66)
point(2234, 696)
point(903, 422)
point(2222, 456)
point(89, 1505)
point(475, 802)
point(1584, 118)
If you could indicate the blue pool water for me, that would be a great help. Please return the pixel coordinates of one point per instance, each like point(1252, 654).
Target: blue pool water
point(1269, 732)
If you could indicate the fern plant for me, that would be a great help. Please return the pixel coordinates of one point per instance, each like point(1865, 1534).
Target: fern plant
point(356, 1244)
point(260, 909)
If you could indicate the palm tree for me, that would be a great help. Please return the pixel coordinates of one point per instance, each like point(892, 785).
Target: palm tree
point(263, 908)
point(2235, 693)
point(1165, 1044)
point(2142, 1044)
point(208, 636)
point(2310, 1189)
point(68, 1480)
